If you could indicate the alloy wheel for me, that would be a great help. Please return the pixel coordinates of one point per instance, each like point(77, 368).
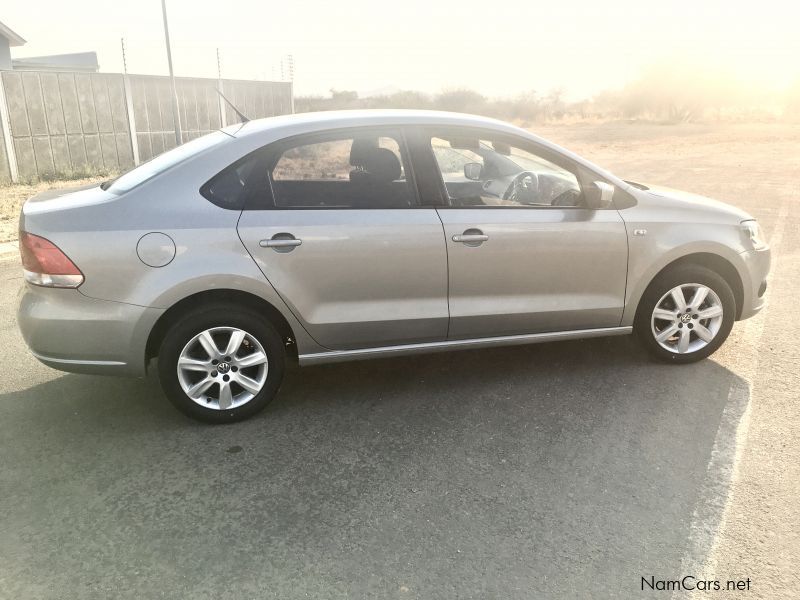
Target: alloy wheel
point(687, 318)
point(222, 368)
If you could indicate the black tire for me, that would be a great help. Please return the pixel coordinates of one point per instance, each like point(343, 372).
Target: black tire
point(201, 319)
point(661, 285)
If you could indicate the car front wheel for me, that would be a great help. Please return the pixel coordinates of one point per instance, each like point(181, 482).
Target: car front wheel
point(221, 364)
point(686, 314)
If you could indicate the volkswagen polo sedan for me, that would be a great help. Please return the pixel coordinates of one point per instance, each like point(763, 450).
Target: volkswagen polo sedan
point(348, 235)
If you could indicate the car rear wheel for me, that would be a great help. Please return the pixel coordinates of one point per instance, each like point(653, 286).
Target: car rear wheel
point(221, 364)
point(686, 314)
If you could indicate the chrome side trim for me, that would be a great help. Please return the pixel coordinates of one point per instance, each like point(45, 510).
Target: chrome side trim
point(506, 340)
point(88, 363)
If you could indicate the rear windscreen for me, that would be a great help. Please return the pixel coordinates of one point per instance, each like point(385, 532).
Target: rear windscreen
point(165, 161)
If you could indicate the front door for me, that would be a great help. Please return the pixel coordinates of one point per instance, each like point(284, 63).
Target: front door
point(525, 253)
point(346, 243)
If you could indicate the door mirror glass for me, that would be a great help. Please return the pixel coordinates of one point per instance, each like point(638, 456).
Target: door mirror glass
point(600, 195)
point(473, 171)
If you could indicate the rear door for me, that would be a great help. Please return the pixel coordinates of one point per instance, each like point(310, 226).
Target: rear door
point(344, 240)
point(525, 253)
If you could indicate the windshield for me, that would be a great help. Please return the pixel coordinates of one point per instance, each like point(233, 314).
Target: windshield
point(165, 161)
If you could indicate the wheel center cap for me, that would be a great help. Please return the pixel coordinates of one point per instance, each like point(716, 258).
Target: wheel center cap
point(686, 318)
point(223, 367)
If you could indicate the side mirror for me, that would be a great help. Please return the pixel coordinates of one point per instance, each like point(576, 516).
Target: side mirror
point(473, 171)
point(600, 195)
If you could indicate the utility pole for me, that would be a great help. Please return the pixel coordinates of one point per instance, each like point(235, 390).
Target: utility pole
point(287, 74)
point(287, 67)
point(124, 60)
point(175, 109)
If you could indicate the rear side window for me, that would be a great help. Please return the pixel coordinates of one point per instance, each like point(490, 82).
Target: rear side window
point(244, 180)
point(365, 170)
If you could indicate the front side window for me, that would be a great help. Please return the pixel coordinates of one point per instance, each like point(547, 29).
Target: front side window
point(361, 170)
point(481, 172)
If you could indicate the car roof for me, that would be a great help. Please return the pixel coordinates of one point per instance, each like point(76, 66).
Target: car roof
point(276, 128)
point(336, 119)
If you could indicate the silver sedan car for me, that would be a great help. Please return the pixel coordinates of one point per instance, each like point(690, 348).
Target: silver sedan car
point(348, 235)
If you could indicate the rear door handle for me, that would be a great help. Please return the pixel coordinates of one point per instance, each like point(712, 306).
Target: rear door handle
point(471, 237)
point(281, 242)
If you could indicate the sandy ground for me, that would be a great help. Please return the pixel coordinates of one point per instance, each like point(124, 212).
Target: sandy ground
point(556, 471)
point(756, 166)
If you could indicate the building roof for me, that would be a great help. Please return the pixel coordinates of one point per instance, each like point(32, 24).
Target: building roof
point(78, 61)
point(14, 39)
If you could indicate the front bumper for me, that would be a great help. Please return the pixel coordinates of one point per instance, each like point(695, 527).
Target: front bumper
point(69, 331)
point(757, 263)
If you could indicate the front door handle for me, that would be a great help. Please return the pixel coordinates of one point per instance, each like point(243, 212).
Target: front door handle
point(281, 242)
point(471, 237)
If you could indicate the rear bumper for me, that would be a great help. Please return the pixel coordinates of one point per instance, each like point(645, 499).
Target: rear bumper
point(71, 332)
point(757, 263)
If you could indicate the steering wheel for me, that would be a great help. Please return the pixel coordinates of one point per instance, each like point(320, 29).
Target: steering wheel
point(523, 188)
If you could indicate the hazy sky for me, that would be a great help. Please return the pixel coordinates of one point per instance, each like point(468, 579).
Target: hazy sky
point(498, 48)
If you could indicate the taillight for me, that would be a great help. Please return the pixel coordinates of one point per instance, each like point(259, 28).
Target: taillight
point(45, 264)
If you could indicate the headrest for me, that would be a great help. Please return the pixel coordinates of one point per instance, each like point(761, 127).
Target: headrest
point(382, 165)
point(360, 149)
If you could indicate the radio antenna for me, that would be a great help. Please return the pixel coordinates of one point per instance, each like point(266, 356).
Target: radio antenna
point(236, 110)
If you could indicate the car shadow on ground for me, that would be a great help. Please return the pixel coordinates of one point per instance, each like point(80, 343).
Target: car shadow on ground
point(557, 470)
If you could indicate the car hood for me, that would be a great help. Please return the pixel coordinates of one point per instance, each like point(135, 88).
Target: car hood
point(697, 202)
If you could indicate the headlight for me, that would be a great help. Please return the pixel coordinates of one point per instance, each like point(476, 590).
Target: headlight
point(752, 231)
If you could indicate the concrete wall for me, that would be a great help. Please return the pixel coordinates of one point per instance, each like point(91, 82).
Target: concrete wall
point(5, 53)
point(66, 124)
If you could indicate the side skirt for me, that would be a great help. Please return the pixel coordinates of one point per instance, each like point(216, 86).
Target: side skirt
point(506, 340)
